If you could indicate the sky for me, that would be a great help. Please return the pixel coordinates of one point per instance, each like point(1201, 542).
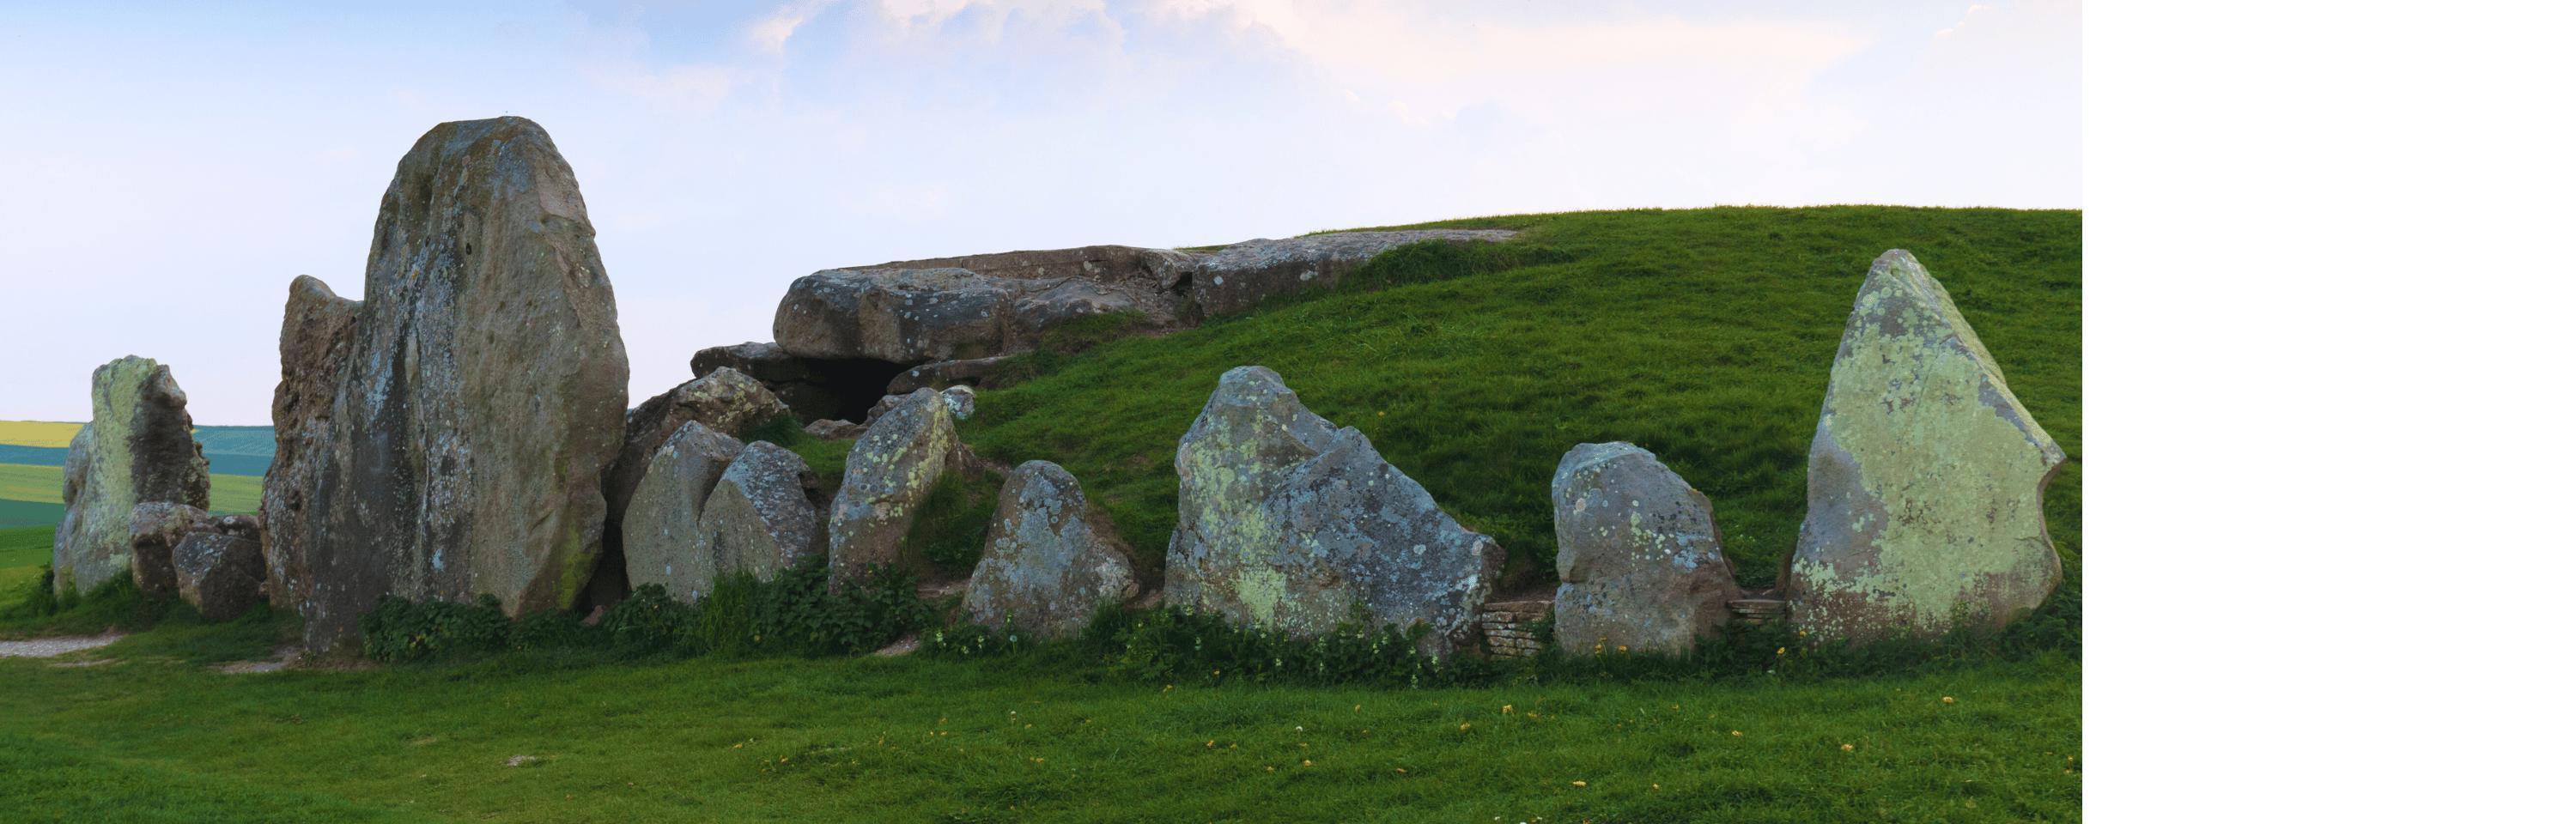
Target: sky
point(167, 169)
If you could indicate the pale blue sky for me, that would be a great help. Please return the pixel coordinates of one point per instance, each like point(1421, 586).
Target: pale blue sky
point(168, 168)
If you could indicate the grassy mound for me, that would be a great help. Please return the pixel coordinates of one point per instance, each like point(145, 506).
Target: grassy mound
point(1704, 335)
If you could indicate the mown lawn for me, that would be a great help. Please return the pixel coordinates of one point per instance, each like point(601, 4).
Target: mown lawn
point(154, 738)
point(24, 552)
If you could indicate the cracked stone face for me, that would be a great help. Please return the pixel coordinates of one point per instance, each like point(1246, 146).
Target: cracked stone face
point(1924, 482)
point(1637, 554)
point(1290, 523)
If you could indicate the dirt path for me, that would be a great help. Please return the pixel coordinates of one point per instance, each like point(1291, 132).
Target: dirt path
point(50, 647)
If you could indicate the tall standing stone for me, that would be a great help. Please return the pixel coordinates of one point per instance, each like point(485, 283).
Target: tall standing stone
point(139, 446)
point(1048, 560)
point(1637, 554)
point(483, 395)
point(1924, 483)
point(312, 359)
point(1288, 522)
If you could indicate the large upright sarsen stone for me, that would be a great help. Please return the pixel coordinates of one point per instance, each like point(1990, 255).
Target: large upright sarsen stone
point(312, 358)
point(482, 398)
point(1288, 522)
point(139, 446)
point(1923, 486)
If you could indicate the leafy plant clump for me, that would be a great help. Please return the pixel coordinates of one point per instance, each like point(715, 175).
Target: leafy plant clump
point(795, 614)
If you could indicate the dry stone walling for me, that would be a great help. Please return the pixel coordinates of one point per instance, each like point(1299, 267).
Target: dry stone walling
point(449, 439)
point(139, 446)
point(1049, 560)
point(1637, 554)
point(1923, 486)
point(1289, 523)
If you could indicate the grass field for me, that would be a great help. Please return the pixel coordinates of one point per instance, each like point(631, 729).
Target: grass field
point(32, 495)
point(38, 433)
point(24, 552)
point(1704, 335)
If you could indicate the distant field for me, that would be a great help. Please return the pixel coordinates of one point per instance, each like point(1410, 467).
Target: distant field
point(38, 433)
point(33, 495)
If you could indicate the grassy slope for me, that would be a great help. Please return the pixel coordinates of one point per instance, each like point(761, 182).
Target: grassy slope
point(920, 740)
point(1704, 335)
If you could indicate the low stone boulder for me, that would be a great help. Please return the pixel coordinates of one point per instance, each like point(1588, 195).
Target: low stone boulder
point(1049, 561)
point(891, 469)
point(1636, 554)
point(725, 401)
point(220, 574)
point(661, 536)
point(157, 529)
point(1924, 482)
point(1241, 276)
point(1289, 523)
point(761, 517)
point(834, 430)
point(958, 400)
point(806, 387)
point(139, 446)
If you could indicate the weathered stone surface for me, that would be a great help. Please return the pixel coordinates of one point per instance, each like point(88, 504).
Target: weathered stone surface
point(959, 401)
point(219, 574)
point(1636, 554)
point(1924, 482)
point(1241, 276)
point(977, 306)
point(1048, 561)
point(814, 389)
point(483, 396)
point(313, 357)
point(157, 528)
point(1288, 522)
point(834, 430)
point(943, 374)
point(763, 361)
point(662, 539)
point(725, 400)
point(138, 446)
point(891, 469)
point(760, 518)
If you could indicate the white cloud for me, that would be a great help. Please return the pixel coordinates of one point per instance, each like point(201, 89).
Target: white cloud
point(769, 35)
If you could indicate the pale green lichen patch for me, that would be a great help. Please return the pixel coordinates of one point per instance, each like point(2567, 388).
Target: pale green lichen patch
point(1925, 479)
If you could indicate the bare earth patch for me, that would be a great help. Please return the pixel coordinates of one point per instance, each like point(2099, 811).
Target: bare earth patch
point(50, 647)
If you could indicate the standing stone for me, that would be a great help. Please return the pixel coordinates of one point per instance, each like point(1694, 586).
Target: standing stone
point(891, 469)
point(138, 446)
point(1048, 563)
point(313, 357)
point(482, 398)
point(219, 574)
point(759, 519)
point(1923, 486)
point(1289, 523)
point(661, 529)
point(1637, 554)
point(1241, 276)
point(157, 529)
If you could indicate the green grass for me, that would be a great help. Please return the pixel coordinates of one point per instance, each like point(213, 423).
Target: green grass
point(44, 485)
point(21, 514)
point(929, 740)
point(1704, 335)
point(24, 553)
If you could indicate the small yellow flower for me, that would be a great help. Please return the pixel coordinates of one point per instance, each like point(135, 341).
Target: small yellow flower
point(1581, 784)
point(1355, 708)
point(737, 746)
point(1623, 648)
point(1037, 760)
point(1211, 744)
point(1656, 787)
point(1949, 700)
point(1462, 726)
point(1270, 769)
point(1507, 709)
point(1780, 651)
point(1736, 733)
point(1399, 771)
point(1847, 748)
